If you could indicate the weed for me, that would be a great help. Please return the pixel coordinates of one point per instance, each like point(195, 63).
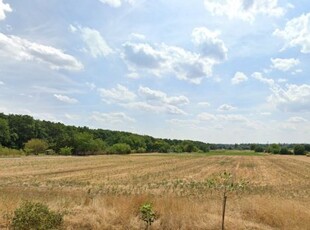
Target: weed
point(147, 214)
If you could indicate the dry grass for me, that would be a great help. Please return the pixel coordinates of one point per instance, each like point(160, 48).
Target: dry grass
point(105, 192)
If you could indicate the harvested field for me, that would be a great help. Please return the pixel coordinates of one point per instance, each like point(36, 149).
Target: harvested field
point(105, 192)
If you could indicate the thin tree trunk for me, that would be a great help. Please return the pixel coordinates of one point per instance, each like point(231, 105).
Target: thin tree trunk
point(224, 208)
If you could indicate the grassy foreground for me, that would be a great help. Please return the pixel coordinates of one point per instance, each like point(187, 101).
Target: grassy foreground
point(105, 192)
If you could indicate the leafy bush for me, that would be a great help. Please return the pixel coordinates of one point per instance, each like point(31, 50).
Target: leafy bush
point(4, 151)
point(273, 148)
point(141, 150)
point(85, 144)
point(299, 149)
point(36, 216)
point(284, 151)
point(36, 146)
point(119, 149)
point(65, 151)
point(259, 149)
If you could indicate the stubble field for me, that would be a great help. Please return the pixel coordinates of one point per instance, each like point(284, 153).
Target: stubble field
point(105, 192)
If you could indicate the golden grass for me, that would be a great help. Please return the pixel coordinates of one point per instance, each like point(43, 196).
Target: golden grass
point(105, 192)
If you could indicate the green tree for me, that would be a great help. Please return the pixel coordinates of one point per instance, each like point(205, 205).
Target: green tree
point(284, 151)
point(274, 148)
point(259, 149)
point(161, 146)
point(307, 148)
point(36, 146)
point(225, 183)
point(22, 129)
point(119, 148)
point(83, 143)
point(189, 147)
point(299, 149)
point(4, 132)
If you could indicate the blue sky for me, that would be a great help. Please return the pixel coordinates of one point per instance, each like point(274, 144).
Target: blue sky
point(225, 71)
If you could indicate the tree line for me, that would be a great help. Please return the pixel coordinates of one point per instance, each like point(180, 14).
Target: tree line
point(36, 136)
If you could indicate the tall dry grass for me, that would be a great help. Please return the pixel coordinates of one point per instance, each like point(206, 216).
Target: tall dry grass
point(106, 192)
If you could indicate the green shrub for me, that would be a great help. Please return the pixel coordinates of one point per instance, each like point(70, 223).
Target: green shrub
point(284, 151)
point(4, 151)
point(147, 214)
point(36, 216)
point(141, 150)
point(36, 146)
point(119, 149)
point(299, 149)
point(65, 151)
point(259, 149)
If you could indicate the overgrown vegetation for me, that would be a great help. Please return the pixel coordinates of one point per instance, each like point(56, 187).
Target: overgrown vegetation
point(4, 151)
point(36, 216)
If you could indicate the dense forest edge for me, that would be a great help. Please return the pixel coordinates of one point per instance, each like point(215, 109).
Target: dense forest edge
point(24, 135)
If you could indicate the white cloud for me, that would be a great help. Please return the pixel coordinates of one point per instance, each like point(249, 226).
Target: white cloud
point(149, 100)
point(119, 94)
point(161, 60)
point(296, 33)
point(297, 120)
point(112, 3)
point(136, 36)
point(209, 44)
point(158, 102)
point(143, 106)
point(284, 64)
point(161, 97)
point(66, 99)
point(204, 103)
point(186, 123)
point(163, 108)
point(228, 119)
point(259, 76)
point(297, 71)
point(90, 85)
point(1, 83)
point(226, 107)
point(207, 117)
point(4, 7)
point(96, 44)
point(233, 118)
point(117, 3)
point(111, 118)
point(246, 10)
point(282, 80)
point(292, 98)
point(22, 49)
point(133, 75)
point(238, 78)
point(72, 116)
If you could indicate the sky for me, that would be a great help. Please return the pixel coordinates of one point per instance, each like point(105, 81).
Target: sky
point(218, 71)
